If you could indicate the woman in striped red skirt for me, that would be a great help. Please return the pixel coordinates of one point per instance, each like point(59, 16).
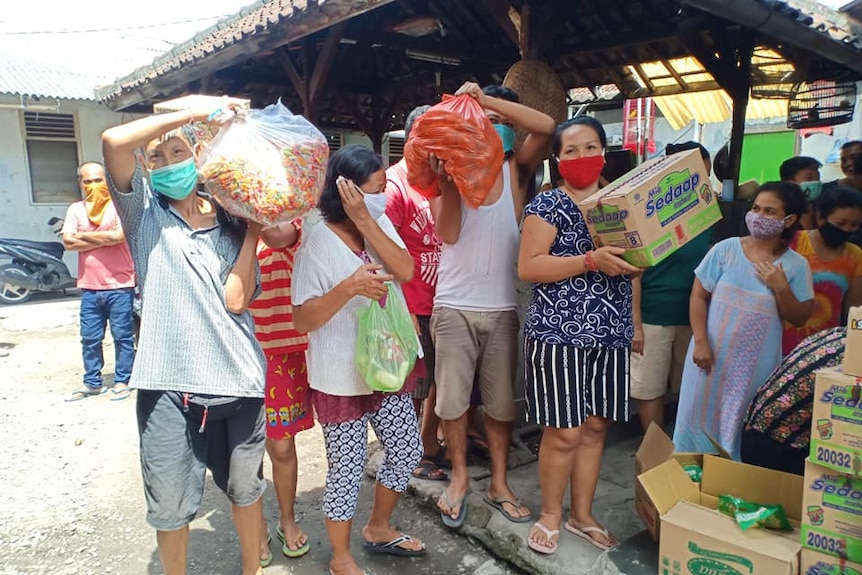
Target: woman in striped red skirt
point(578, 337)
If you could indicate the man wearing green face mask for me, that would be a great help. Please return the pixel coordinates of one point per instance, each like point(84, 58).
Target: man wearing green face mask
point(200, 371)
point(804, 171)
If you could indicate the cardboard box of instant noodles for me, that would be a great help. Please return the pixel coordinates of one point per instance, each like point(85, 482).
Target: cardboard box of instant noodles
point(654, 209)
point(814, 563)
point(836, 422)
point(853, 349)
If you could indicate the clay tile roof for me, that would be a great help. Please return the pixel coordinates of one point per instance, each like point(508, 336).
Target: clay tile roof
point(254, 19)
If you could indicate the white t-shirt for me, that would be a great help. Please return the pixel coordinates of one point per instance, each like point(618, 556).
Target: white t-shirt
point(322, 262)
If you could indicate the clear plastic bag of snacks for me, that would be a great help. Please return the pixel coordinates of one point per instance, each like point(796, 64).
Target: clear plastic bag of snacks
point(266, 165)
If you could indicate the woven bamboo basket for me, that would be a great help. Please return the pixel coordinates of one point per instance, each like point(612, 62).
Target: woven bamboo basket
point(538, 87)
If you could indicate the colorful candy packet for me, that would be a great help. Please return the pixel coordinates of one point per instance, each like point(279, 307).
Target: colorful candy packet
point(748, 514)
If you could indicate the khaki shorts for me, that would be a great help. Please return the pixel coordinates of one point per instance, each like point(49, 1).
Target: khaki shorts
point(470, 343)
point(662, 361)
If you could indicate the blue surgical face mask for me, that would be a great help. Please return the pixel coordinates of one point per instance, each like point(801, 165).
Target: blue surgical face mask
point(376, 204)
point(507, 135)
point(176, 181)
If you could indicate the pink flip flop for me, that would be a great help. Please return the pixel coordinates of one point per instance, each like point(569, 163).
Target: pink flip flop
point(584, 533)
point(539, 548)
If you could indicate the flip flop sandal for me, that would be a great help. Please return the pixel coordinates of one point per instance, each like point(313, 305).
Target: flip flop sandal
point(498, 505)
point(430, 471)
point(85, 392)
point(584, 533)
point(394, 547)
point(286, 550)
point(120, 394)
point(544, 549)
point(457, 521)
point(267, 561)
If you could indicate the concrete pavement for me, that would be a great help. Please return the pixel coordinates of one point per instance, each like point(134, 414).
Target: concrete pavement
point(613, 507)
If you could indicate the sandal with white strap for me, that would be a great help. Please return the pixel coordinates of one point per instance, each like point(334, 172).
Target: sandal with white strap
point(584, 533)
point(548, 549)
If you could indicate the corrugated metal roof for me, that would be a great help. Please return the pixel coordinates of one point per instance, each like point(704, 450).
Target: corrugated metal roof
point(713, 106)
point(27, 77)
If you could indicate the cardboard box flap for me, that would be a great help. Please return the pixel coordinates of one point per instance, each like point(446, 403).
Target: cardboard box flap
point(719, 528)
point(667, 485)
point(722, 452)
point(655, 448)
point(755, 484)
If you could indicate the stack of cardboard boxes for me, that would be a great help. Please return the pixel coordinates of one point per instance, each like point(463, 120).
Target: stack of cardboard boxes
point(832, 504)
point(682, 515)
point(825, 507)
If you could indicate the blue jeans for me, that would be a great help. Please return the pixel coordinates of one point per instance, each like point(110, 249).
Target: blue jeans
point(98, 307)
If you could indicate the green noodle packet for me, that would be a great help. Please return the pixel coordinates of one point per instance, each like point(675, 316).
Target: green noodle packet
point(748, 514)
point(695, 472)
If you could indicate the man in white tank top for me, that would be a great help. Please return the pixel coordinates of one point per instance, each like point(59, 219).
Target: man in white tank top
point(475, 321)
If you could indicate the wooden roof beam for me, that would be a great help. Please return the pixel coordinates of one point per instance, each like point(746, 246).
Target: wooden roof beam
point(673, 72)
point(499, 11)
point(644, 77)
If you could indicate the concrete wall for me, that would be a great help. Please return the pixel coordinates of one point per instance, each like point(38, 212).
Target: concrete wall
point(20, 217)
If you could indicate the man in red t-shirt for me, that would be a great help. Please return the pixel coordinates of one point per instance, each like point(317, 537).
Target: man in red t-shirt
point(410, 212)
point(106, 278)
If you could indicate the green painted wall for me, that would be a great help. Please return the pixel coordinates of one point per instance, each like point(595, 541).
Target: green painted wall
point(762, 154)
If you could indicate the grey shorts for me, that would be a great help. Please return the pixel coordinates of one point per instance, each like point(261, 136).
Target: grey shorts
point(177, 450)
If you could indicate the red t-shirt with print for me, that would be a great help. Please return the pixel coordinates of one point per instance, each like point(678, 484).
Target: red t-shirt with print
point(410, 212)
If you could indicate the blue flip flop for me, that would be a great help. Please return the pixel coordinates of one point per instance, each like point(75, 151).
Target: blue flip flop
point(457, 521)
point(84, 392)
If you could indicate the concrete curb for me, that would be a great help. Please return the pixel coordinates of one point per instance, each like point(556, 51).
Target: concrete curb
point(636, 554)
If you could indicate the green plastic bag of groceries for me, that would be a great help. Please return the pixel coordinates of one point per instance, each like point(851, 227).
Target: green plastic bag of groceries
point(386, 344)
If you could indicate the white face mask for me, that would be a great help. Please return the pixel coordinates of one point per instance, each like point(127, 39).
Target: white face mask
point(376, 204)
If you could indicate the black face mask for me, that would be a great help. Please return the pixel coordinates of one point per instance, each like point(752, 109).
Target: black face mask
point(833, 236)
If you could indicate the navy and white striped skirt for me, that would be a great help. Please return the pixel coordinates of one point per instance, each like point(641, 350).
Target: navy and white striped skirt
point(565, 384)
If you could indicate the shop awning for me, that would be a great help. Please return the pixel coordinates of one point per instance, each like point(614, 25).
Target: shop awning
point(714, 106)
point(770, 72)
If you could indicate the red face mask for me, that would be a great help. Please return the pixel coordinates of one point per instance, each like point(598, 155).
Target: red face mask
point(581, 173)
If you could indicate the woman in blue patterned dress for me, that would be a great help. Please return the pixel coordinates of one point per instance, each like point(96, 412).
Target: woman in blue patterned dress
point(578, 335)
point(743, 289)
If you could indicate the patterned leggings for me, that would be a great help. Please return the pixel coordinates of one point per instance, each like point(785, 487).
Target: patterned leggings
point(396, 426)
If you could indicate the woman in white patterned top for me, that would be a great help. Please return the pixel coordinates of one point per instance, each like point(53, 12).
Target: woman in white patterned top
point(346, 261)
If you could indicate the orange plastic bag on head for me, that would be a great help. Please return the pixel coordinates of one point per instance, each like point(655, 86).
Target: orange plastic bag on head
point(457, 131)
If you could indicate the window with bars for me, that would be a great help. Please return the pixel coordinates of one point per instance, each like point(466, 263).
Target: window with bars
point(396, 149)
point(335, 140)
point(52, 156)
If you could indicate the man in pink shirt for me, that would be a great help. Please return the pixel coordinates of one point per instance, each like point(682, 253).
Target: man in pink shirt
point(410, 212)
point(106, 277)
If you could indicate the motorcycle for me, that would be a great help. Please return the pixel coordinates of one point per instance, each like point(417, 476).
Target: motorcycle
point(34, 267)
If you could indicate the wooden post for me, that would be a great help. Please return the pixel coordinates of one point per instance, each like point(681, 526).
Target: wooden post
point(729, 62)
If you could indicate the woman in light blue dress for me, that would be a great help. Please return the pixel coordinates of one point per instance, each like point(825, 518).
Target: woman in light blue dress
point(744, 289)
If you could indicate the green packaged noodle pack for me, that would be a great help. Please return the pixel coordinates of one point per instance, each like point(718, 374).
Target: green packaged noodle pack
point(748, 514)
point(695, 472)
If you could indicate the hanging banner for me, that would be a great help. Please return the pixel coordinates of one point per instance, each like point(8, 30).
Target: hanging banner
point(639, 126)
